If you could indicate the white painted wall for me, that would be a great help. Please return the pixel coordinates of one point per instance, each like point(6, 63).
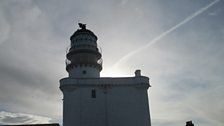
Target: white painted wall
point(80, 109)
point(118, 102)
point(78, 72)
point(128, 106)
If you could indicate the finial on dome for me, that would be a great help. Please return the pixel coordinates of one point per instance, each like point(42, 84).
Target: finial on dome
point(82, 26)
point(189, 123)
point(137, 73)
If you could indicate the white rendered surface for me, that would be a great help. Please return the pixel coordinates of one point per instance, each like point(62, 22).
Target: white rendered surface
point(118, 102)
point(84, 72)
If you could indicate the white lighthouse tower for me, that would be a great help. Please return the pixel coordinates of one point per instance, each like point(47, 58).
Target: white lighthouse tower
point(91, 100)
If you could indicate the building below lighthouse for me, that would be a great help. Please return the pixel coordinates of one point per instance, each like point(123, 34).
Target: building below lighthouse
point(91, 100)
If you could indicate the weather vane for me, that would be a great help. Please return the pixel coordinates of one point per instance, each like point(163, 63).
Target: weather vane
point(82, 26)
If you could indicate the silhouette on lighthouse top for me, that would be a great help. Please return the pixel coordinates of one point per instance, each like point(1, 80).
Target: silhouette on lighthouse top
point(82, 26)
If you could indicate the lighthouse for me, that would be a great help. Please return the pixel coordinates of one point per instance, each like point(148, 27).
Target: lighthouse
point(91, 100)
point(83, 57)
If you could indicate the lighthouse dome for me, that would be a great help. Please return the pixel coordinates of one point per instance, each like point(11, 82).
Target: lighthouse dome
point(83, 31)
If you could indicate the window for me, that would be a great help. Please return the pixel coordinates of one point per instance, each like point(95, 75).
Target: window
point(83, 72)
point(93, 93)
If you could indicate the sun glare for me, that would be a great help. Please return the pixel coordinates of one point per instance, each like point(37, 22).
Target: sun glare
point(113, 72)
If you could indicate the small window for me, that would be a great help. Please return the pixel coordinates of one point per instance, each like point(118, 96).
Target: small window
point(93, 93)
point(83, 72)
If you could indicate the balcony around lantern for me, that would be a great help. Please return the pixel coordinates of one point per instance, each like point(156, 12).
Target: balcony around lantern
point(84, 48)
point(70, 64)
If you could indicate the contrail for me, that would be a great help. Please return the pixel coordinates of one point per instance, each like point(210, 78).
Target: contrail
point(156, 39)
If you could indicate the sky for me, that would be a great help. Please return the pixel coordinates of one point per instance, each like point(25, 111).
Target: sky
point(178, 44)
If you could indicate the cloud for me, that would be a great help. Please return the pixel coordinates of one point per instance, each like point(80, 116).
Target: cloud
point(4, 27)
point(9, 118)
point(156, 39)
point(28, 56)
point(186, 79)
